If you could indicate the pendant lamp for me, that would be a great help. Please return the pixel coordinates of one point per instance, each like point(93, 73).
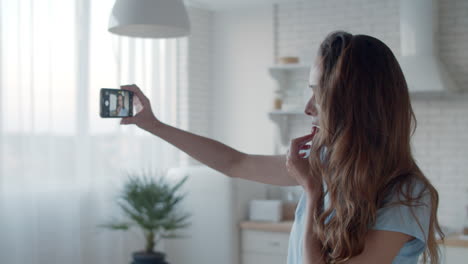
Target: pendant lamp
point(149, 19)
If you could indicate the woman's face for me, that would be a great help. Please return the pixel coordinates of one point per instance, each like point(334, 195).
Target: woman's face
point(312, 108)
point(120, 100)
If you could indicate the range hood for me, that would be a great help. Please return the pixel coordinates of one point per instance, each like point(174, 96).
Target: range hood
point(423, 70)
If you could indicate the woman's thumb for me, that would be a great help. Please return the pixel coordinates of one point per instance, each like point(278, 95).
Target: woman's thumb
point(126, 121)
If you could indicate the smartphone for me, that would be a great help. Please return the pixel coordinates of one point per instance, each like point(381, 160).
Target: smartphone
point(116, 103)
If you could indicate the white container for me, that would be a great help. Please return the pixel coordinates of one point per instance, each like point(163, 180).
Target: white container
point(265, 210)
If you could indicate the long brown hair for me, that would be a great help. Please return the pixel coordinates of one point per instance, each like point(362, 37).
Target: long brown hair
point(366, 122)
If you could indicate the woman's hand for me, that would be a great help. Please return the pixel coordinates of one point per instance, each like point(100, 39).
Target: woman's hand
point(298, 166)
point(144, 117)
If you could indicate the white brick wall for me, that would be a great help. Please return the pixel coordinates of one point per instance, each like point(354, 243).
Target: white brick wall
point(453, 38)
point(303, 25)
point(440, 143)
point(441, 149)
point(195, 68)
point(441, 140)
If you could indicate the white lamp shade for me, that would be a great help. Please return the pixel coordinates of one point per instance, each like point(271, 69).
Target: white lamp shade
point(149, 19)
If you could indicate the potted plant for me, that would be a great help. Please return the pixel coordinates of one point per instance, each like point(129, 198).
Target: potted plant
point(150, 205)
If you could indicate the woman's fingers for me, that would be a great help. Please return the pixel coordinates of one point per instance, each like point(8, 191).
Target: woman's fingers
point(297, 143)
point(304, 139)
point(306, 146)
point(131, 87)
point(126, 121)
point(300, 142)
point(138, 106)
point(136, 90)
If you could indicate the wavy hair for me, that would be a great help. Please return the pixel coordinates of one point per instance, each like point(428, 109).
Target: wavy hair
point(366, 122)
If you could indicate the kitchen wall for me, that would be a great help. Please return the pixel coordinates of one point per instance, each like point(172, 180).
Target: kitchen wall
point(219, 92)
point(242, 89)
point(225, 53)
point(441, 140)
point(195, 67)
point(246, 42)
point(212, 90)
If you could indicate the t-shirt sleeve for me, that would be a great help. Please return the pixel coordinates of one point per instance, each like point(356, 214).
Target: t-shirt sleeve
point(399, 218)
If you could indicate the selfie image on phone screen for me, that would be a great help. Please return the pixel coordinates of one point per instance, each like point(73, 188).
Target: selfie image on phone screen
point(116, 103)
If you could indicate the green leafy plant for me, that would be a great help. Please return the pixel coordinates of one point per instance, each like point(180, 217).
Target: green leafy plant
point(151, 205)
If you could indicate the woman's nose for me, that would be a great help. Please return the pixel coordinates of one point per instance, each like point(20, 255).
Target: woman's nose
point(310, 108)
point(312, 111)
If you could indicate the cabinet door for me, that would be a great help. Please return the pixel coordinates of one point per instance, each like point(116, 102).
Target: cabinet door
point(274, 243)
point(258, 258)
point(455, 255)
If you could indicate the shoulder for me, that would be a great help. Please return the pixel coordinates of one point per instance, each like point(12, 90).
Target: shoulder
point(407, 211)
point(381, 247)
point(414, 193)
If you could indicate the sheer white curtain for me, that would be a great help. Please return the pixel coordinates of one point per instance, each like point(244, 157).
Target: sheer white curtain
point(60, 162)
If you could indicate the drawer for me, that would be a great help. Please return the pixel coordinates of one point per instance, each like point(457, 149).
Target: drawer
point(265, 242)
point(259, 258)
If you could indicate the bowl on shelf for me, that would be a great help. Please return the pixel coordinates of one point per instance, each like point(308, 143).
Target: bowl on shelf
point(288, 60)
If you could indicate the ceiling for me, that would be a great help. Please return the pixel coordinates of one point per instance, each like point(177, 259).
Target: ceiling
point(220, 5)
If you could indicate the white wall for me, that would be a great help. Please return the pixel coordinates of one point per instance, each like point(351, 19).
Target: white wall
point(242, 88)
point(243, 91)
point(194, 81)
point(441, 140)
point(230, 91)
point(226, 93)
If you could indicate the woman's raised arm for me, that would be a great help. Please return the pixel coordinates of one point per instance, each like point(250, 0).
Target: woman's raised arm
point(267, 169)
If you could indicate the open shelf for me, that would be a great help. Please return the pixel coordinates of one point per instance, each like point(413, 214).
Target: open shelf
point(287, 112)
point(284, 75)
point(282, 67)
point(281, 119)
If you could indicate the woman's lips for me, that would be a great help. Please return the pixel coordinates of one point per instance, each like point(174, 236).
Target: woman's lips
point(313, 127)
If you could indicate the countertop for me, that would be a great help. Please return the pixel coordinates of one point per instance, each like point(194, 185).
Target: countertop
point(285, 226)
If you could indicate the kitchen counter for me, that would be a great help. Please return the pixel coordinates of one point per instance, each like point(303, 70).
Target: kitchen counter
point(285, 226)
point(456, 241)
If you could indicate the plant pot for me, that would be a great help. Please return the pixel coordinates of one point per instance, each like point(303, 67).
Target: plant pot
point(149, 258)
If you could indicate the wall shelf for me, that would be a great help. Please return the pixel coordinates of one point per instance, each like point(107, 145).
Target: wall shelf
point(281, 119)
point(288, 67)
point(438, 95)
point(284, 74)
point(286, 112)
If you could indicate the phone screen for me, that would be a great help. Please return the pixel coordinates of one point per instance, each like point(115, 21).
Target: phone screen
point(116, 103)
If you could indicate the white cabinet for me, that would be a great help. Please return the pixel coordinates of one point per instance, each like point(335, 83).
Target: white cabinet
point(262, 247)
point(258, 258)
point(454, 255)
point(269, 247)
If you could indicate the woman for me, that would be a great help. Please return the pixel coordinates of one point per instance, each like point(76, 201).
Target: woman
point(365, 200)
point(121, 110)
